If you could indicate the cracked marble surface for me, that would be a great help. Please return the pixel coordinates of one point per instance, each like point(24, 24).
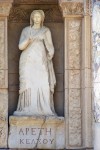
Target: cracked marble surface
point(37, 132)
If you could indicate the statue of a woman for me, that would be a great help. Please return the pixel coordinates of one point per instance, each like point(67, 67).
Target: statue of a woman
point(37, 78)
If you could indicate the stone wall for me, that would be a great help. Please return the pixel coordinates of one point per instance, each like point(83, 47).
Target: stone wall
point(72, 63)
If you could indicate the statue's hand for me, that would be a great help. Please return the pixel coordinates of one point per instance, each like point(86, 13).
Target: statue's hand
point(30, 40)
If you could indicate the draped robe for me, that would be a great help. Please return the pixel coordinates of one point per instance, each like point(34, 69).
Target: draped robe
point(37, 78)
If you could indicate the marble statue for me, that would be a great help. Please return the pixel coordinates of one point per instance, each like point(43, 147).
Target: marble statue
point(37, 77)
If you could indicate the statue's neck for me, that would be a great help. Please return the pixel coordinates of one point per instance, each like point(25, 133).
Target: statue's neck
point(36, 26)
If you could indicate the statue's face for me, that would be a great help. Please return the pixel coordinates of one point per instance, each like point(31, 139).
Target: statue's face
point(37, 18)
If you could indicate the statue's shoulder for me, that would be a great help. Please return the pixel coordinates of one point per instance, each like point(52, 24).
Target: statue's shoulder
point(26, 29)
point(46, 29)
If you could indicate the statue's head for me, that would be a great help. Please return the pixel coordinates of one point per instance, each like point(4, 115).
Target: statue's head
point(37, 16)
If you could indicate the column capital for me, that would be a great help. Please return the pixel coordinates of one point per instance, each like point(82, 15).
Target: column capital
point(5, 6)
point(71, 8)
point(88, 5)
point(76, 7)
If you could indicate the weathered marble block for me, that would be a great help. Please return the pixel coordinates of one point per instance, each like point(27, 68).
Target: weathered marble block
point(37, 132)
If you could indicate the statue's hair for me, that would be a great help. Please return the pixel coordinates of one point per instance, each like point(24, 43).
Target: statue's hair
point(41, 12)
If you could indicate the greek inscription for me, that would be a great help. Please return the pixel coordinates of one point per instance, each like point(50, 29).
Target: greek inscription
point(51, 141)
point(21, 132)
point(27, 130)
point(21, 141)
point(27, 141)
point(45, 141)
point(34, 141)
point(48, 131)
point(28, 136)
point(39, 141)
point(34, 131)
point(41, 130)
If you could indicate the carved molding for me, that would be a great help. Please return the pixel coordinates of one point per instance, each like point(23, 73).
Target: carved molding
point(88, 4)
point(35, 2)
point(73, 81)
point(76, 7)
point(74, 37)
point(22, 14)
point(5, 6)
point(71, 8)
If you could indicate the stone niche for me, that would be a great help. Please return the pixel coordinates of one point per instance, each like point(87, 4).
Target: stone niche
point(36, 132)
point(19, 18)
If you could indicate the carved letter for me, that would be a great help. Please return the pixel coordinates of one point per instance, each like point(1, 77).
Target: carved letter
point(33, 131)
point(33, 142)
point(21, 141)
point(27, 129)
point(27, 141)
point(45, 141)
point(21, 131)
point(40, 132)
point(48, 131)
point(51, 141)
point(39, 141)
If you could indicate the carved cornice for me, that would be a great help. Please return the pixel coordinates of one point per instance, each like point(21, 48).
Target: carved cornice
point(5, 6)
point(76, 7)
point(71, 8)
point(35, 1)
point(22, 14)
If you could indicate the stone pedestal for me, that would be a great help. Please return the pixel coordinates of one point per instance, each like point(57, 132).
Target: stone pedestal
point(37, 132)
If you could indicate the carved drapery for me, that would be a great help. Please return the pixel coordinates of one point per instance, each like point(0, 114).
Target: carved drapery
point(78, 113)
point(5, 6)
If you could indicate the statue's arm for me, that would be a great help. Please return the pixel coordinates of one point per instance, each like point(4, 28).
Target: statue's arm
point(24, 40)
point(49, 44)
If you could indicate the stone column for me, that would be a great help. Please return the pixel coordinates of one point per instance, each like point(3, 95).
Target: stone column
point(77, 74)
point(5, 6)
point(87, 76)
